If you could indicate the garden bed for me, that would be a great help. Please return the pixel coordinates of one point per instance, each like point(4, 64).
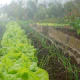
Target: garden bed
point(55, 68)
point(62, 38)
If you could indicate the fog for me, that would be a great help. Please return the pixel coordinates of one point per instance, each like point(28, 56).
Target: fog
point(3, 2)
point(62, 1)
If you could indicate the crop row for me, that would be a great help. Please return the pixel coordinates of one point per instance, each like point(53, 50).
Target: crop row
point(18, 59)
point(52, 24)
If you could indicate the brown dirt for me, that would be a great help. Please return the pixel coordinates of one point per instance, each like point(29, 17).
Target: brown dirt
point(55, 68)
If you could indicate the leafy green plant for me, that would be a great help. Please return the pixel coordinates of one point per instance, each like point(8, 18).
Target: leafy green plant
point(19, 61)
point(76, 25)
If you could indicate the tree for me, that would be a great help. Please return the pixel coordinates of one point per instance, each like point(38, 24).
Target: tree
point(14, 10)
point(41, 13)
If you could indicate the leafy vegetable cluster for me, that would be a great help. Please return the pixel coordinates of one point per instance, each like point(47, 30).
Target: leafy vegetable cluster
point(76, 25)
point(18, 60)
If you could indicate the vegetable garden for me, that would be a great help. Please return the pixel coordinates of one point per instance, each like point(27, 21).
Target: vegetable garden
point(27, 55)
point(40, 40)
point(51, 58)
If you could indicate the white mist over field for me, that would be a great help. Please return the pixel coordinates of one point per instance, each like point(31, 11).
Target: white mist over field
point(3, 2)
point(62, 1)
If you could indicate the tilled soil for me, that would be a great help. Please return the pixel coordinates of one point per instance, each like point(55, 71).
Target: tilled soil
point(55, 68)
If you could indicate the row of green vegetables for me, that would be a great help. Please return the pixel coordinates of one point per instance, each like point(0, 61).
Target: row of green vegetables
point(75, 25)
point(18, 59)
point(52, 24)
point(72, 25)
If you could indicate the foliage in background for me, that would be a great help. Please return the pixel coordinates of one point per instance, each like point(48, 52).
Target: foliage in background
point(45, 12)
point(76, 25)
point(40, 12)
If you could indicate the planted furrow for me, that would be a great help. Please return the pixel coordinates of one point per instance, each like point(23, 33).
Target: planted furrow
point(18, 59)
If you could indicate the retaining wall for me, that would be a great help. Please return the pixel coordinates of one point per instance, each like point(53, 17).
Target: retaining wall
point(68, 43)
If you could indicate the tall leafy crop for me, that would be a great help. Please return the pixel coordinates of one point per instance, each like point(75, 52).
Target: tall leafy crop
point(18, 60)
point(76, 25)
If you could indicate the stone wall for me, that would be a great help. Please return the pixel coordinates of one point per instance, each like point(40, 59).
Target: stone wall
point(70, 44)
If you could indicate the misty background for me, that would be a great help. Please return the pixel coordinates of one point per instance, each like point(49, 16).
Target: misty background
point(53, 11)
